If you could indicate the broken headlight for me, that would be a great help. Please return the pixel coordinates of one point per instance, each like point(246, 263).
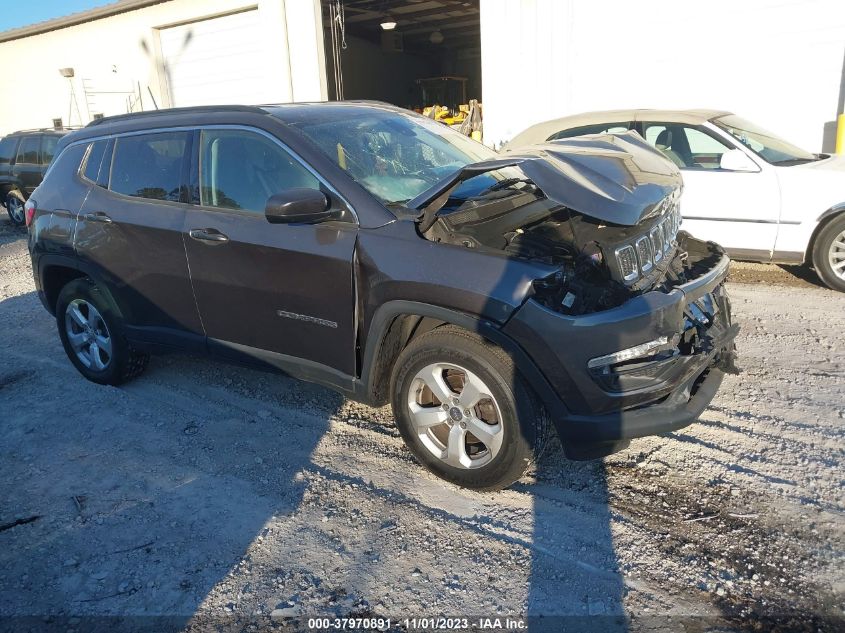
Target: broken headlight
point(639, 257)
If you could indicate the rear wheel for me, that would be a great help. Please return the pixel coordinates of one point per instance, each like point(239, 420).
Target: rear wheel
point(91, 334)
point(829, 254)
point(14, 207)
point(464, 411)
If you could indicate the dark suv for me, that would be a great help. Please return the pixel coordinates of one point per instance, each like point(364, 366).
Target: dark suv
point(24, 157)
point(372, 250)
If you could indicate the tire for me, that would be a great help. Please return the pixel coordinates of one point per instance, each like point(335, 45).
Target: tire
point(92, 335)
point(14, 207)
point(510, 421)
point(829, 254)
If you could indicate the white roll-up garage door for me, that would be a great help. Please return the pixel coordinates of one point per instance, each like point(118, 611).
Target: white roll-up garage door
point(217, 61)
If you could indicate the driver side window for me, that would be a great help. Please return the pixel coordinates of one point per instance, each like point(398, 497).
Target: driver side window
point(241, 170)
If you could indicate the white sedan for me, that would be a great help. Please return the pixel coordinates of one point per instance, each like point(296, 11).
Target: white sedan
point(757, 195)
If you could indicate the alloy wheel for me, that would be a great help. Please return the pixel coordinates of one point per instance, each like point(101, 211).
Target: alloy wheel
point(836, 255)
point(15, 208)
point(455, 415)
point(88, 335)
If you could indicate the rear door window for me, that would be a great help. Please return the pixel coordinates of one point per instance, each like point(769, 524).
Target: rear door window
point(93, 161)
point(7, 150)
point(149, 165)
point(596, 128)
point(241, 170)
point(48, 148)
point(28, 150)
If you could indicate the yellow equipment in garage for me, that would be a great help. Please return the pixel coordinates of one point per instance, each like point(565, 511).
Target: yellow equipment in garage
point(444, 99)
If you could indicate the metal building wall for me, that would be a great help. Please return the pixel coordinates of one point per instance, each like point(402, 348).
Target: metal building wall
point(119, 57)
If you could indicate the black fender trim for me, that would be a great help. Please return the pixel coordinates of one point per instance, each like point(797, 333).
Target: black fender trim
point(387, 312)
point(48, 260)
point(821, 222)
point(837, 208)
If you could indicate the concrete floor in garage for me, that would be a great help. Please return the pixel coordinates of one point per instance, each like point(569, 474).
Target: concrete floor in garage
point(202, 490)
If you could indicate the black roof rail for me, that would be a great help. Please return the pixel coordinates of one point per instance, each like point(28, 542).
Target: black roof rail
point(195, 109)
point(45, 129)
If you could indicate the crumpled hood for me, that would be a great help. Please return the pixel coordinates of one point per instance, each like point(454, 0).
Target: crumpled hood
point(614, 178)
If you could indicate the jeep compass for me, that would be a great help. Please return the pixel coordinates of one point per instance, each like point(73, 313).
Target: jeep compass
point(366, 248)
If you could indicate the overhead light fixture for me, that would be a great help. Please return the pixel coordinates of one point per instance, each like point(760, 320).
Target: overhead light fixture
point(66, 72)
point(436, 37)
point(388, 23)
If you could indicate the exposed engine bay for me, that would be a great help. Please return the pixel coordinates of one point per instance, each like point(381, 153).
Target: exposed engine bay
point(604, 209)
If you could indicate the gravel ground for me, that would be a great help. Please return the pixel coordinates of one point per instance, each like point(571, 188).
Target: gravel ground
point(208, 493)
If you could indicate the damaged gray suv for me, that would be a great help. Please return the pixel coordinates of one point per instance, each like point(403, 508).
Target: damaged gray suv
point(384, 255)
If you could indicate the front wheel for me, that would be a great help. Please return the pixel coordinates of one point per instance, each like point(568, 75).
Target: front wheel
point(91, 334)
point(15, 209)
point(464, 411)
point(829, 254)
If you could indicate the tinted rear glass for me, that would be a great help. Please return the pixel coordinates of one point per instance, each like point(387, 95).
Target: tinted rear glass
point(149, 165)
point(28, 150)
point(7, 149)
point(48, 148)
point(95, 158)
point(595, 128)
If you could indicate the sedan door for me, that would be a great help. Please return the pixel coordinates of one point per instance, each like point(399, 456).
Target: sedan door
point(280, 294)
point(737, 209)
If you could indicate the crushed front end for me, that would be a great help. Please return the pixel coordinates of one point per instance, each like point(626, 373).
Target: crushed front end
point(648, 366)
point(633, 327)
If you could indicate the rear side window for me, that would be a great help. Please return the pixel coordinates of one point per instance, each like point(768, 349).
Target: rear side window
point(48, 148)
point(596, 128)
point(241, 170)
point(149, 165)
point(7, 149)
point(28, 150)
point(94, 160)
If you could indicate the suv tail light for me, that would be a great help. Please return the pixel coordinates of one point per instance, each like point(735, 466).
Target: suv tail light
point(29, 210)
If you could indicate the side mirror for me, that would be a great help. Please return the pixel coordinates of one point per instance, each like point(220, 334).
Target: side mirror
point(298, 206)
point(737, 160)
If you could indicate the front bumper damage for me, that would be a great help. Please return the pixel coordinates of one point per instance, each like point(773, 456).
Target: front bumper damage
point(649, 366)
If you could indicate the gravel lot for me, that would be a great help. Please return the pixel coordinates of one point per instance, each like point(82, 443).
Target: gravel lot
point(207, 492)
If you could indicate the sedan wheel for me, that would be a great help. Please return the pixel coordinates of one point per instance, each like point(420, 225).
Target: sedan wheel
point(455, 415)
point(829, 253)
point(836, 255)
point(88, 335)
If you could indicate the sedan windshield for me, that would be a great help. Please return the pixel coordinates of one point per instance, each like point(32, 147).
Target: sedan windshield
point(764, 143)
point(393, 155)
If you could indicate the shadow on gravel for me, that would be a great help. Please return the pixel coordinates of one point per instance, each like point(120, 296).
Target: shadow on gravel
point(575, 583)
point(8, 231)
point(140, 509)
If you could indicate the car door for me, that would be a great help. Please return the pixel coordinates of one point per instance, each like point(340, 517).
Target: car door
point(737, 209)
point(27, 168)
point(8, 151)
point(276, 293)
point(130, 229)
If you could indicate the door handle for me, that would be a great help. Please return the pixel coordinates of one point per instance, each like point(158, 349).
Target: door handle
point(208, 235)
point(98, 216)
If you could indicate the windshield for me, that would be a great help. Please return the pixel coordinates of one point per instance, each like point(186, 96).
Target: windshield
point(394, 156)
point(768, 146)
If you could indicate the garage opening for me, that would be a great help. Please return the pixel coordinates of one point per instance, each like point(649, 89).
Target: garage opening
point(424, 55)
